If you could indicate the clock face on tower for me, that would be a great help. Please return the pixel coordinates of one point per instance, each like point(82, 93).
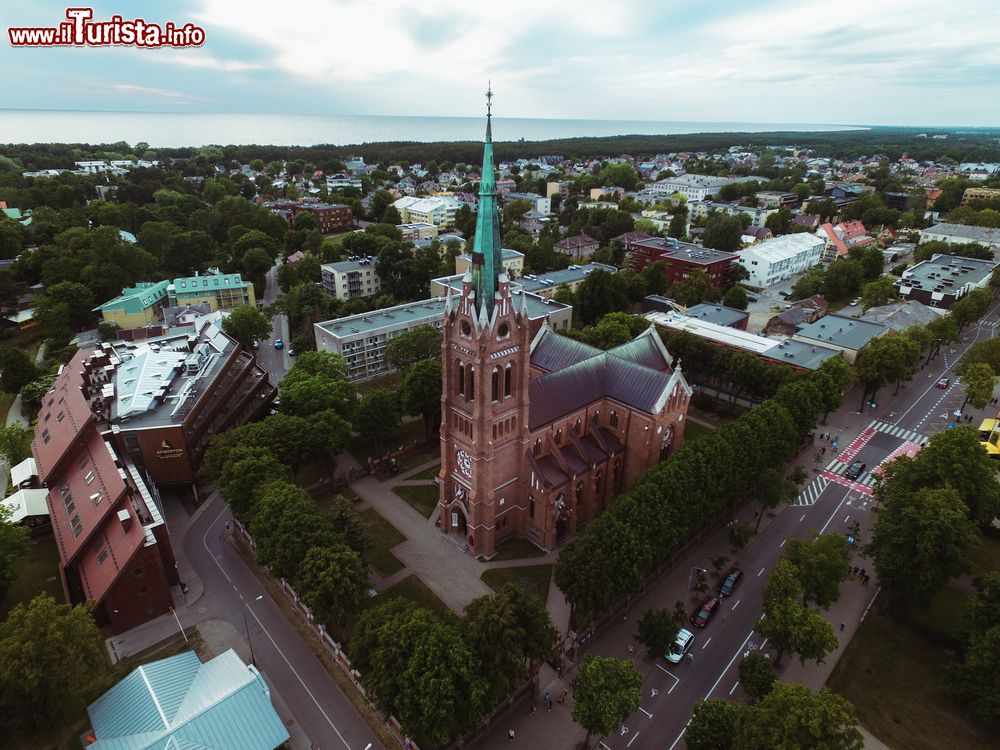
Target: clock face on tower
point(464, 461)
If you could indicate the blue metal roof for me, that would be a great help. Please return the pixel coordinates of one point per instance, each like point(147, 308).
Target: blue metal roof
point(181, 704)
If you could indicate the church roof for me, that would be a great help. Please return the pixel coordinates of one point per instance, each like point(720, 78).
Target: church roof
point(487, 263)
point(552, 351)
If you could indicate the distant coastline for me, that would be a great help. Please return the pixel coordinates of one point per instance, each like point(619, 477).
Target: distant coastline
point(181, 130)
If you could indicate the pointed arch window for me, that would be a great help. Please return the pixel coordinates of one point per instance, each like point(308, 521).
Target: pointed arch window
point(559, 436)
point(495, 384)
point(461, 379)
point(508, 380)
point(578, 427)
point(614, 419)
point(537, 449)
point(472, 384)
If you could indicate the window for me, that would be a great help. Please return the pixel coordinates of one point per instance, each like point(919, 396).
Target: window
point(494, 432)
point(46, 437)
point(102, 553)
point(461, 378)
point(559, 436)
point(60, 416)
point(76, 525)
point(579, 493)
point(531, 506)
point(138, 572)
point(578, 427)
point(614, 419)
point(508, 380)
point(538, 448)
point(89, 477)
point(495, 385)
point(472, 383)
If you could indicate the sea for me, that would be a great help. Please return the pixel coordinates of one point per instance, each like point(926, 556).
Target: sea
point(177, 130)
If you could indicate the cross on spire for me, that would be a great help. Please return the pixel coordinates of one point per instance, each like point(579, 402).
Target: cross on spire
point(489, 97)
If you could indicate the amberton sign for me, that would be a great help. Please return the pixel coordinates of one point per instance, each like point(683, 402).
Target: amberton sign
point(168, 451)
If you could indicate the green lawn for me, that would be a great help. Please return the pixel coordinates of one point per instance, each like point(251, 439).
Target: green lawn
point(533, 578)
point(892, 675)
point(430, 452)
point(390, 382)
point(694, 430)
point(36, 572)
point(427, 473)
point(412, 589)
point(985, 556)
point(943, 616)
point(516, 548)
point(325, 501)
point(422, 498)
point(385, 536)
point(361, 447)
point(6, 399)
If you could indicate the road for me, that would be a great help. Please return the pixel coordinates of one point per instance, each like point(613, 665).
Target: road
point(829, 503)
point(275, 361)
point(233, 593)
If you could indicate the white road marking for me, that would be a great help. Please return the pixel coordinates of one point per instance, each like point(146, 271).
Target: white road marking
point(632, 740)
point(646, 712)
point(803, 518)
point(706, 643)
point(782, 542)
point(674, 744)
point(847, 518)
point(676, 679)
point(759, 572)
point(733, 688)
point(835, 511)
point(204, 541)
point(726, 668)
point(736, 605)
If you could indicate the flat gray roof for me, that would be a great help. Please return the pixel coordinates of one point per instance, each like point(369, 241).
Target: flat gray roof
point(987, 235)
point(684, 250)
point(801, 354)
point(946, 273)
point(549, 279)
point(724, 316)
point(839, 330)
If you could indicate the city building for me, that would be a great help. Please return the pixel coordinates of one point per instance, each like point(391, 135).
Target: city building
point(540, 203)
point(513, 264)
point(700, 210)
point(780, 258)
point(580, 247)
point(540, 432)
point(542, 285)
point(720, 315)
point(179, 702)
point(681, 258)
point(777, 199)
point(534, 222)
point(361, 339)
point(899, 316)
point(849, 336)
point(223, 291)
point(787, 352)
point(330, 217)
point(438, 211)
point(136, 306)
point(840, 238)
point(412, 232)
point(944, 279)
point(962, 234)
point(338, 182)
point(351, 279)
point(897, 200)
point(554, 188)
point(980, 194)
point(695, 187)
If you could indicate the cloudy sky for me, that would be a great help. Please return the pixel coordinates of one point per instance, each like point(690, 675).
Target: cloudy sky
point(813, 61)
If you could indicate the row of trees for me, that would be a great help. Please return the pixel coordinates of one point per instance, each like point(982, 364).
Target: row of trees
point(440, 675)
point(617, 551)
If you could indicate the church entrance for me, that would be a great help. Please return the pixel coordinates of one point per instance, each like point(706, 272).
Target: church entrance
point(667, 444)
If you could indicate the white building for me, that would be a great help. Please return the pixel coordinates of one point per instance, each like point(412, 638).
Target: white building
point(695, 187)
point(540, 203)
point(351, 279)
point(962, 234)
point(780, 258)
point(437, 211)
point(342, 181)
point(701, 209)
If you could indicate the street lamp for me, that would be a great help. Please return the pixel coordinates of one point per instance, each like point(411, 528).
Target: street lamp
point(246, 626)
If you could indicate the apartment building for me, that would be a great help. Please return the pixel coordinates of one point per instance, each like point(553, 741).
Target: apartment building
point(781, 258)
point(136, 306)
point(354, 278)
point(223, 291)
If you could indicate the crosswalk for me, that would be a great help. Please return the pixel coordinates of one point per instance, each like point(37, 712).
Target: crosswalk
point(911, 441)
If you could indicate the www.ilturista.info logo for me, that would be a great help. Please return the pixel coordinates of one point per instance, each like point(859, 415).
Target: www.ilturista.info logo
point(80, 30)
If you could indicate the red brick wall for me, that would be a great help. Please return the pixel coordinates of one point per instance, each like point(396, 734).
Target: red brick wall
point(137, 598)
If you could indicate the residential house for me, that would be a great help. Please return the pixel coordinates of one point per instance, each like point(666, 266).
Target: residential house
point(355, 278)
point(136, 306)
point(962, 234)
point(580, 247)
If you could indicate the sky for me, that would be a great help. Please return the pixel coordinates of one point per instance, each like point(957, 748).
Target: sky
point(872, 62)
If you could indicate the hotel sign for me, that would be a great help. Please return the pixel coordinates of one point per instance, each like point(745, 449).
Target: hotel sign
point(167, 451)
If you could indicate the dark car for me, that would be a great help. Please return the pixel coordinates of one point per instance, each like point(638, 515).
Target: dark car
point(702, 616)
point(943, 383)
point(730, 582)
point(854, 470)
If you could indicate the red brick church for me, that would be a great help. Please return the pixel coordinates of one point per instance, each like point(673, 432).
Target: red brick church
point(539, 432)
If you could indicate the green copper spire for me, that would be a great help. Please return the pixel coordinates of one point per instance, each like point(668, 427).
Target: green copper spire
point(486, 255)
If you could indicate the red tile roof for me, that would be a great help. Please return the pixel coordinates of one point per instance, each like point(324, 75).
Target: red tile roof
point(65, 413)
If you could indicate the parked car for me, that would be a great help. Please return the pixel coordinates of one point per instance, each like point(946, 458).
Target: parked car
point(681, 645)
point(704, 614)
point(784, 293)
point(943, 383)
point(728, 584)
point(279, 344)
point(854, 470)
point(856, 301)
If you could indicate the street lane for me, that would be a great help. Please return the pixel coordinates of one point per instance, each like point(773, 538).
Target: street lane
point(829, 503)
point(275, 361)
point(317, 703)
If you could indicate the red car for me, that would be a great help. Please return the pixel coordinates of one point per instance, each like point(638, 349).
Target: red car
point(943, 383)
point(700, 618)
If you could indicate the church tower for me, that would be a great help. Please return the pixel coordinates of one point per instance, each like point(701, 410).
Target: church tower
point(484, 402)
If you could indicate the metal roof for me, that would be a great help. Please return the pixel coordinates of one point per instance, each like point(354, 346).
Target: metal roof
point(839, 330)
point(179, 702)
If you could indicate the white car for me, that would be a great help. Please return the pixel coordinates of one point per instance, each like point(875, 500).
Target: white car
point(682, 644)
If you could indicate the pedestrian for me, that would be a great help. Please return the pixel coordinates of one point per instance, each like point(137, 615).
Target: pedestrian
point(547, 699)
point(227, 524)
point(531, 711)
point(856, 571)
point(510, 735)
point(559, 672)
point(842, 626)
point(631, 649)
point(864, 581)
point(864, 573)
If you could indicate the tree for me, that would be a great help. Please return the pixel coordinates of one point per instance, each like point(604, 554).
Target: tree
point(697, 287)
point(811, 282)
point(979, 382)
point(423, 342)
point(792, 716)
point(657, 631)
point(713, 725)
point(723, 232)
point(377, 416)
point(16, 369)
point(920, 540)
point(50, 654)
point(286, 525)
point(975, 682)
point(878, 292)
point(736, 297)
point(884, 360)
point(822, 563)
point(332, 582)
point(606, 691)
point(599, 294)
point(770, 489)
point(678, 223)
point(247, 469)
point(13, 544)
point(843, 278)
point(15, 443)
point(421, 393)
point(757, 675)
point(506, 632)
point(971, 307)
point(246, 325)
point(790, 626)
